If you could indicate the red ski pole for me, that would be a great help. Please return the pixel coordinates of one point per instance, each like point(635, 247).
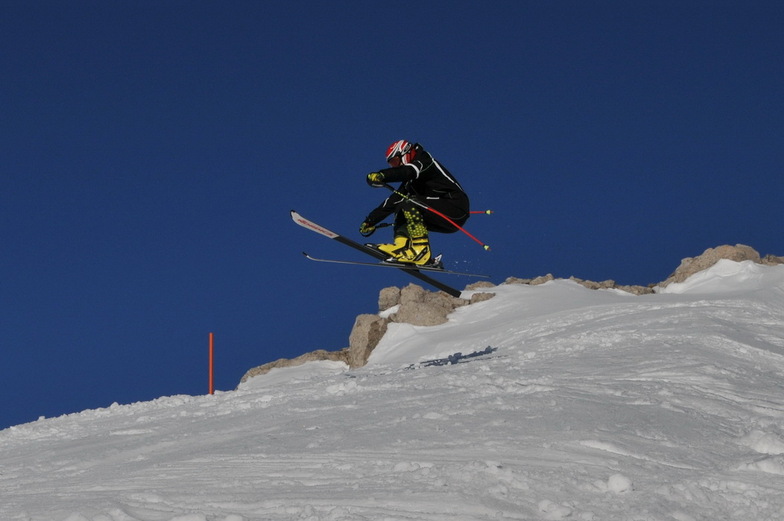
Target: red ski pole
point(447, 219)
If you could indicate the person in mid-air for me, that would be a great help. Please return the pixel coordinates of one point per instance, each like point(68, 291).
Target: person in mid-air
point(425, 183)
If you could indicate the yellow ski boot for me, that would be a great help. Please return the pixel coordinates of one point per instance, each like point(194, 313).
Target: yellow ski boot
point(400, 244)
point(411, 249)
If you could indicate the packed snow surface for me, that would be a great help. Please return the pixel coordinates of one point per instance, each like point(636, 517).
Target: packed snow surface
point(583, 405)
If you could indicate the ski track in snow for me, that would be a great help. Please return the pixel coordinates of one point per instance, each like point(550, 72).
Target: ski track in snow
point(593, 406)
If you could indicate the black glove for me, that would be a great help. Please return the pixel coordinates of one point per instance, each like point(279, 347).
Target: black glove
point(367, 228)
point(375, 179)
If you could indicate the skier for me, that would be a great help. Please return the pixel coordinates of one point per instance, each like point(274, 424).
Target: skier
point(425, 183)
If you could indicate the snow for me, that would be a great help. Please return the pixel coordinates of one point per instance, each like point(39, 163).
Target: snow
point(590, 405)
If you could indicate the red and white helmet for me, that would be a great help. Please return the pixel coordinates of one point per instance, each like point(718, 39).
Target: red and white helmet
point(402, 149)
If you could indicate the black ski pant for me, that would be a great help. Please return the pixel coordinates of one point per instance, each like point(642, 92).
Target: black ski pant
point(455, 208)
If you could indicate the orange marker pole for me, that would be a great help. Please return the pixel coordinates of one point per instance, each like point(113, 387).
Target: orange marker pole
point(212, 360)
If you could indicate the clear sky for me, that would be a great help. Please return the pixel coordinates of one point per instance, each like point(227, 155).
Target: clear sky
point(151, 152)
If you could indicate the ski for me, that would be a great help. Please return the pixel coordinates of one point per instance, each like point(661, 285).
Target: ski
point(383, 264)
point(310, 225)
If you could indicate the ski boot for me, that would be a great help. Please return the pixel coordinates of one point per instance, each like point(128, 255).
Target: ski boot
point(407, 251)
point(411, 245)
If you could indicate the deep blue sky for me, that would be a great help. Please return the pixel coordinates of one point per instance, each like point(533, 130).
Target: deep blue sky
point(151, 152)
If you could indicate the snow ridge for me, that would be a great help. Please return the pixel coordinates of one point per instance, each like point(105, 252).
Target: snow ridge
point(591, 405)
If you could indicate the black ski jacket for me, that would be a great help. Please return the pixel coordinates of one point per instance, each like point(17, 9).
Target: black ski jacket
point(425, 180)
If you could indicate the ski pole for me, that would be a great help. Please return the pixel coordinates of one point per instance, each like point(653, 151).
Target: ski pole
point(447, 219)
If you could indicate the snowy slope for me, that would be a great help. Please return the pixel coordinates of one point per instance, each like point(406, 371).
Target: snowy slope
point(590, 405)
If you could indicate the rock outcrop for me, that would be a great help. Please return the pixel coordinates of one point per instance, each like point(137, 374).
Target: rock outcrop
point(364, 337)
point(420, 307)
point(607, 284)
point(740, 252)
point(314, 356)
point(415, 305)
